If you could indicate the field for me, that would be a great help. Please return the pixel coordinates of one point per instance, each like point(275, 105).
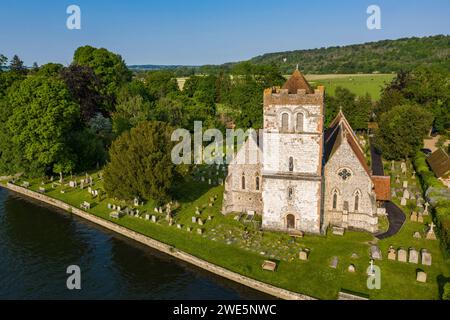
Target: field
point(240, 246)
point(359, 84)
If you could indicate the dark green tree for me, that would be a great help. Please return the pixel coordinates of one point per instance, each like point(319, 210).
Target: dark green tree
point(16, 65)
point(401, 131)
point(140, 163)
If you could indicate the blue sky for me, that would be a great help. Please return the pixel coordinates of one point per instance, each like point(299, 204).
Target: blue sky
point(202, 32)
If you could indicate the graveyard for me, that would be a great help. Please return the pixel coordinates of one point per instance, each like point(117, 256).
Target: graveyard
point(412, 264)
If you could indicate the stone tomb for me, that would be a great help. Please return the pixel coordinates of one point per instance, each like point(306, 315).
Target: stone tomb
point(413, 256)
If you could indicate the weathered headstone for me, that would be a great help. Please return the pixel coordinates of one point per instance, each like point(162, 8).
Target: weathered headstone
point(392, 254)
point(402, 255)
point(338, 231)
point(421, 276)
point(147, 217)
point(406, 194)
point(303, 255)
point(420, 218)
point(153, 218)
point(194, 220)
point(403, 202)
point(417, 235)
point(334, 262)
point(375, 253)
point(425, 212)
point(413, 217)
point(351, 268)
point(405, 184)
point(199, 231)
point(413, 256)
point(426, 257)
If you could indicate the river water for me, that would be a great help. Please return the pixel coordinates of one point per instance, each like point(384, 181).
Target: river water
point(38, 243)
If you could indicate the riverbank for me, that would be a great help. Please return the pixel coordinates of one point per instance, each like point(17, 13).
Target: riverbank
point(167, 249)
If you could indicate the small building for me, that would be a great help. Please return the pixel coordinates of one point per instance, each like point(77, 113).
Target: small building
point(439, 162)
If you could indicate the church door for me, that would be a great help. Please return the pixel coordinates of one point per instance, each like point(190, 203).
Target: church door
point(290, 221)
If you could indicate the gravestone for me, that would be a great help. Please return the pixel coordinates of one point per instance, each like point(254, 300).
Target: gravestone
point(421, 277)
point(403, 167)
point(194, 220)
point(375, 253)
point(197, 211)
point(334, 262)
point(430, 234)
point(403, 202)
point(406, 194)
point(351, 268)
point(153, 218)
point(397, 179)
point(402, 255)
point(413, 217)
point(426, 257)
point(405, 184)
point(188, 229)
point(147, 217)
point(420, 218)
point(156, 210)
point(417, 235)
point(200, 222)
point(413, 256)
point(199, 231)
point(303, 255)
point(392, 254)
point(338, 231)
point(179, 226)
point(354, 255)
point(425, 212)
point(392, 165)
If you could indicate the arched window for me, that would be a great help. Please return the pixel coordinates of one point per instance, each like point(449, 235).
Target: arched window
point(285, 122)
point(257, 183)
point(243, 181)
point(357, 197)
point(335, 195)
point(290, 193)
point(291, 164)
point(300, 119)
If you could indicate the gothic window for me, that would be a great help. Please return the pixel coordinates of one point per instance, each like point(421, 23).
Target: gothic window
point(335, 200)
point(300, 119)
point(357, 197)
point(291, 164)
point(290, 193)
point(284, 122)
point(345, 174)
point(243, 181)
point(257, 183)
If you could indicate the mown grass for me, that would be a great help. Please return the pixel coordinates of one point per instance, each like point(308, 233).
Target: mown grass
point(357, 84)
point(313, 277)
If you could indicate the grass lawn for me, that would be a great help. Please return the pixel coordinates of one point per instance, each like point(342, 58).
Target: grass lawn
point(239, 246)
point(359, 84)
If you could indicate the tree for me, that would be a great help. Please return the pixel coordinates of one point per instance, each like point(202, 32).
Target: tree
point(109, 67)
point(160, 83)
point(140, 163)
point(3, 61)
point(16, 65)
point(39, 114)
point(86, 88)
point(401, 131)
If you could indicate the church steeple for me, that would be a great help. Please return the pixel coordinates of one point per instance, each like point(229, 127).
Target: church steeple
point(297, 81)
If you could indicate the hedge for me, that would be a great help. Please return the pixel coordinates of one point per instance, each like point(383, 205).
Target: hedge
point(438, 195)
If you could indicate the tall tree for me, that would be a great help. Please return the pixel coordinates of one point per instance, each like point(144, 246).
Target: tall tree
point(109, 67)
point(401, 131)
point(41, 113)
point(16, 65)
point(140, 163)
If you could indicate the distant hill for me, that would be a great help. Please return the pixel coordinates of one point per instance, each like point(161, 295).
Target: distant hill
point(382, 56)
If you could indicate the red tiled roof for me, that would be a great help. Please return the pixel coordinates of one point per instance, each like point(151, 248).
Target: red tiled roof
point(297, 81)
point(382, 185)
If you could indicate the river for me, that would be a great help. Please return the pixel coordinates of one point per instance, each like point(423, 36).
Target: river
point(38, 243)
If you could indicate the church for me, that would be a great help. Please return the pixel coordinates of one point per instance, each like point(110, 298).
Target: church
point(300, 177)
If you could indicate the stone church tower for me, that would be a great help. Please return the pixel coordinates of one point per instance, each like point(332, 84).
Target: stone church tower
point(292, 156)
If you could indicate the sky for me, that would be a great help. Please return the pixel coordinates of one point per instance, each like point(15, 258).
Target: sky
point(197, 32)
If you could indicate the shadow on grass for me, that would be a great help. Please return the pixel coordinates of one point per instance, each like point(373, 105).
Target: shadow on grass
point(442, 280)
